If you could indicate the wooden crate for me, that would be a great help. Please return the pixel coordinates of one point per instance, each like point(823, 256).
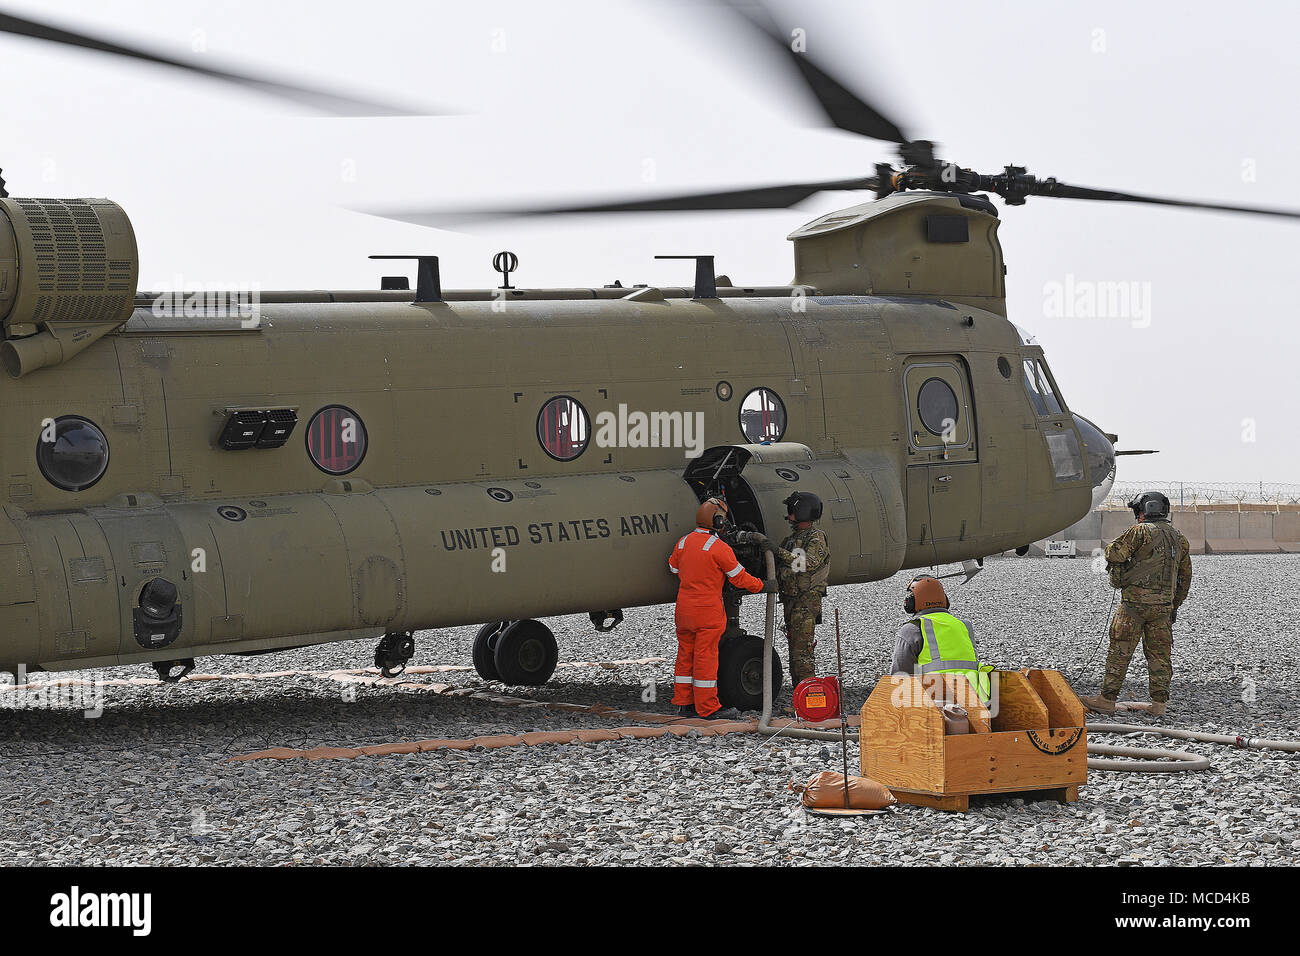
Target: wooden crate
point(1033, 743)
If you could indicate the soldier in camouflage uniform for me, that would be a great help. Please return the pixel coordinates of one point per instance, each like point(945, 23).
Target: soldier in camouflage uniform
point(1150, 564)
point(803, 565)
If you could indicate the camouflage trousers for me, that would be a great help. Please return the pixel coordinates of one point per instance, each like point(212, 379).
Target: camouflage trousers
point(1148, 623)
point(800, 621)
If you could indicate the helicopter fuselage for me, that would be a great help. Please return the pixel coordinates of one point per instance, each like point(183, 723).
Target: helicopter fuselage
point(454, 505)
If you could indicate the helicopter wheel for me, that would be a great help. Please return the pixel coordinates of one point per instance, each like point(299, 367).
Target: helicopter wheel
point(526, 654)
point(485, 646)
point(740, 672)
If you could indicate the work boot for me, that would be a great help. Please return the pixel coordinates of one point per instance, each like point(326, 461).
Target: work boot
point(1155, 708)
point(684, 710)
point(1098, 704)
point(725, 713)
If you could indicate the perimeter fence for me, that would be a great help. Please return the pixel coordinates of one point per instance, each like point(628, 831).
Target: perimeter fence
point(1212, 495)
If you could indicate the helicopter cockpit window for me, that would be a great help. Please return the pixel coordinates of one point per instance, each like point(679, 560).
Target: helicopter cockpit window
point(1039, 387)
point(1067, 459)
point(72, 452)
point(1026, 337)
point(336, 439)
point(563, 428)
point(762, 416)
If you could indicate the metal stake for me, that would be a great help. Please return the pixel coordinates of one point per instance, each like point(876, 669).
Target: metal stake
point(844, 738)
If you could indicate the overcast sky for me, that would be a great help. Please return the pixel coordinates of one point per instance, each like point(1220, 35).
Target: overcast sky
point(567, 99)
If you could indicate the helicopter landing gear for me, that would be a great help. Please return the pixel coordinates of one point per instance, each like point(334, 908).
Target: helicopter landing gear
point(606, 621)
point(525, 653)
point(485, 646)
point(166, 670)
point(393, 651)
point(740, 671)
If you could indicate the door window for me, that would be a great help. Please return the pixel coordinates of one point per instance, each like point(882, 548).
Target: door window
point(336, 440)
point(762, 416)
point(563, 428)
point(938, 407)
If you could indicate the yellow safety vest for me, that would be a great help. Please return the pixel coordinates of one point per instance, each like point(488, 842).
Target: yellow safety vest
point(949, 648)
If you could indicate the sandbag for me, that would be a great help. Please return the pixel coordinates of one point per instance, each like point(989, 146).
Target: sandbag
point(825, 790)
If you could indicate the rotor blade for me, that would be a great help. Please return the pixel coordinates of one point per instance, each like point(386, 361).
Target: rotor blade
point(762, 197)
point(316, 99)
point(1140, 451)
point(1048, 187)
point(844, 108)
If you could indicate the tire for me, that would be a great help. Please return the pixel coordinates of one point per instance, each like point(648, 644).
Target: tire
point(526, 654)
point(740, 672)
point(485, 645)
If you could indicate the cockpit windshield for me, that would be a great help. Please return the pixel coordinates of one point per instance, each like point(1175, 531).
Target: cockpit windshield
point(1039, 387)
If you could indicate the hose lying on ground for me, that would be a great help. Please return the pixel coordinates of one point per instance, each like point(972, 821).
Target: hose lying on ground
point(1169, 761)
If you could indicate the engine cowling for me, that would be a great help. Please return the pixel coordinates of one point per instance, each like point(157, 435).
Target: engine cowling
point(68, 273)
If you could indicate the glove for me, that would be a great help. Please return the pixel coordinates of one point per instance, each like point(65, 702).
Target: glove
point(770, 587)
point(1173, 616)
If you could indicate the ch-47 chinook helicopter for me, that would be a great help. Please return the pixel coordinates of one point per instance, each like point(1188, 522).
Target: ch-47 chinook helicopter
point(179, 485)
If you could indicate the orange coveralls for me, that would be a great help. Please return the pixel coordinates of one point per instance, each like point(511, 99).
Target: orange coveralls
point(702, 561)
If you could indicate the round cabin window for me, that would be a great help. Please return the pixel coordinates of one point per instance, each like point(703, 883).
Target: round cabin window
point(72, 453)
point(336, 440)
point(563, 428)
point(762, 416)
point(936, 403)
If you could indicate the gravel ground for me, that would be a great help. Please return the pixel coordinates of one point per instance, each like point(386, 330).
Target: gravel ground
point(148, 782)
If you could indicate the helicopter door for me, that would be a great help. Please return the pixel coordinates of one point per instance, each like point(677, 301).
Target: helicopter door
point(943, 480)
point(717, 471)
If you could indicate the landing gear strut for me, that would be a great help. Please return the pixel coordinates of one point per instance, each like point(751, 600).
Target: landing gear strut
point(606, 621)
point(394, 650)
point(516, 652)
point(166, 670)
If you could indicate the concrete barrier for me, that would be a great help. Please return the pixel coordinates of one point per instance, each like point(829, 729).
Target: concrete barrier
point(1208, 532)
point(1286, 531)
point(1087, 529)
point(1114, 524)
point(1192, 525)
point(1256, 533)
point(1222, 525)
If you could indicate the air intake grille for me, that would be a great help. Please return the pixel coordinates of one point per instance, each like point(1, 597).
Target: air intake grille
point(76, 280)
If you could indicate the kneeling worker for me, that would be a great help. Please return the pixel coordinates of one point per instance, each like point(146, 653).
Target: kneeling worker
point(935, 641)
point(702, 561)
